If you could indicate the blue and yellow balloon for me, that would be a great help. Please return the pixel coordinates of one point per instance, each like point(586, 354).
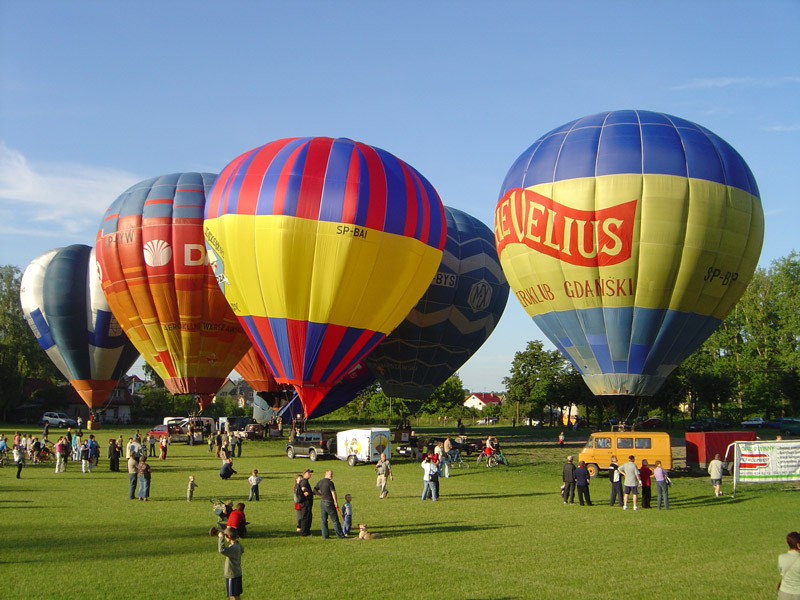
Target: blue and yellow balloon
point(628, 236)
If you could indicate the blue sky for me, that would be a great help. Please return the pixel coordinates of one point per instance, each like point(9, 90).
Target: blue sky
point(96, 96)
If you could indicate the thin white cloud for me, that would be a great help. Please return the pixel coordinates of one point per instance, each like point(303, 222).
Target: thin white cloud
point(783, 128)
point(714, 82)
point(67, 198)
point(723, 82)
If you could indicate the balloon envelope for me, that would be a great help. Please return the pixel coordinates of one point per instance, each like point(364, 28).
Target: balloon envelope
point(160, 286)
point(351, 385)
point(628, 236)
point(257, 374)
point(322, 247)
point(454, 317)
point(63, 302)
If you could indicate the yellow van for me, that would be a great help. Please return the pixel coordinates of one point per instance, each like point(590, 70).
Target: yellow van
point(604, 444)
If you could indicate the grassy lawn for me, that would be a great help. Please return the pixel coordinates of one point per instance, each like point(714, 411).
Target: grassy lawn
point(495, 533)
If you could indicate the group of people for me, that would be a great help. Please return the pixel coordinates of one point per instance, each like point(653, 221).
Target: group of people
point(225, 444)
point(625, 479)
point(328, 505)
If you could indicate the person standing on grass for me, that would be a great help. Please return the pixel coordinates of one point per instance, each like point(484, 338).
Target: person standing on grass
point(163, 447)
point(568, 478)
point(582, 478)
point(789, 568)
point(298, 499)
point(190, 488)
point(19, 459)
point(254, 480)
point(59, 448)
point(429, 474)
point(384, 469)
point(561, 439)
point(144, 479)
point(151, 441)
point(306, 496)
point(233, 561)
point(630, 483)
point(644, 476)
point(113, 455)
point(86, 458)
point(328, 505)
point(217, 444)
point(133, 472)
point(715, 471)
point(616, 483)
point(347, 515)
point(662, 485)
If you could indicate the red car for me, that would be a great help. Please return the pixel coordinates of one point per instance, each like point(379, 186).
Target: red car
point(652, 423)
point(176, 433)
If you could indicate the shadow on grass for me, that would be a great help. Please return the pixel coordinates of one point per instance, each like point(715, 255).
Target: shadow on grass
point(434, 528)
point(483, 496)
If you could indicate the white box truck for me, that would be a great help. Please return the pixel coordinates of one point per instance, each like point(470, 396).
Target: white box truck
point(363, 445)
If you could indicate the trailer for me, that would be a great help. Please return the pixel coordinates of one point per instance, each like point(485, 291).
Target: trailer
point(701, 446)
point(363, 445)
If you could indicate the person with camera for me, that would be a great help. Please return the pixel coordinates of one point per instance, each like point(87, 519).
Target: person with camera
point(233, 561)
point(430, 478)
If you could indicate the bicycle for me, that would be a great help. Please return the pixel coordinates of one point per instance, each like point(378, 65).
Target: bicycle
point(455, 459)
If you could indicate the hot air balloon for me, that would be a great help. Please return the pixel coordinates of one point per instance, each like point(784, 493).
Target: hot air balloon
point(159, 284)
point(63, 303)
point(257, 374)
point(355, 381)
point(321, 247)
point(454, 317)
point(269, 393)
point(628, 236)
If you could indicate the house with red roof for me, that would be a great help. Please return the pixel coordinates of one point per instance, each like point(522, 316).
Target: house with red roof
point(482, 399)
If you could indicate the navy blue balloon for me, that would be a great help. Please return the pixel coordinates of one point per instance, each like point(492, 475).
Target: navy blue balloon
point(453, 318)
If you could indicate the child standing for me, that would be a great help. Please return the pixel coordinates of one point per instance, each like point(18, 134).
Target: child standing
point(233, 561)
point(254, 480)
point(347, 514)
point(190, 488)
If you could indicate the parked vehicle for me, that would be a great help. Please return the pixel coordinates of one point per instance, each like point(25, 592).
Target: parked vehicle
point(651, 423)
point(312, 444)
point(363, 445)
point(57, 419)
point(755, 422)
point(234, 423)
point(176, 432)
point(254, 431)
point(790, 426)
point(603, 445)
point(708, 425)
point(488, 421)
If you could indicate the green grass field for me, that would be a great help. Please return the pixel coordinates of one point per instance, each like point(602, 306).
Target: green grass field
point(497, 533)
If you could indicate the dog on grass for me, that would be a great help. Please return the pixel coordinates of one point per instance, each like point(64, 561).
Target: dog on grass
point(363, 534)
